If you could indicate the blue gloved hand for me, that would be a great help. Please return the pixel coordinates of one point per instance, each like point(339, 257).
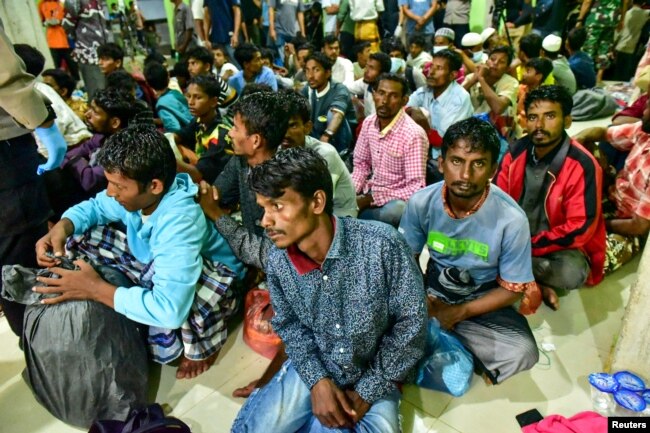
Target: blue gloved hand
point(56, 146)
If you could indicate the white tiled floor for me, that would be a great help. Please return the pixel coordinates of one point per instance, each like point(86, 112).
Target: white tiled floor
point(583, 332)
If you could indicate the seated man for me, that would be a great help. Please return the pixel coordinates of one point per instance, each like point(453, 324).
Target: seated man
point(342, 371)
point(536, 71)
point(111, 59)
point(493, 91)
point(530, 47)
point(332, 112)
point(558, 184)
point(81, 175)
point(377, 64)
point(551, 47)
point(252, 71)
point(171, 105)
point(342, 68)
point(479, 253)
point(262, 116)
point(199, 62)
point(63, 83)
point(472, 53)
point(206, 136)
point(166, 231)
point(443, 101)
point(418, 55)
point(581, 63)
point(362, 50)
point(631, 192)
point(390, 155)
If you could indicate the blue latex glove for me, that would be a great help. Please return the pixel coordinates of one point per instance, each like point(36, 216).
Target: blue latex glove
point(56, 146)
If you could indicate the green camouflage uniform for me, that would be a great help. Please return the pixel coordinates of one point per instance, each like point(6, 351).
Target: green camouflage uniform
point(600, 26)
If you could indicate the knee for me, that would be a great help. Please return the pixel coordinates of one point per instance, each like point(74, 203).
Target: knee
point(524, 354)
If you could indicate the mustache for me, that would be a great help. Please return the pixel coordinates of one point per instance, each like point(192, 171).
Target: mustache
point(460, 183)
point(541, 131)
point(272, 230)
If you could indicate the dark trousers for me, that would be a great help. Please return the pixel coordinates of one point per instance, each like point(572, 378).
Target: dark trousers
point(460, 30)
point(625, 66)
point(60, 54)
point(19, 249)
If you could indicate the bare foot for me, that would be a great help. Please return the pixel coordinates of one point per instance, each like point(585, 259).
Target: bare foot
point(245, 391)
point(189, 369)
point(550, 298)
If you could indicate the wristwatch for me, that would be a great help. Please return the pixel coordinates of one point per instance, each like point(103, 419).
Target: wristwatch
point(329, 133)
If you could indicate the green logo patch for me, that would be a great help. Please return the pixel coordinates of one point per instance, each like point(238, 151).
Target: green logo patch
point(443, 244)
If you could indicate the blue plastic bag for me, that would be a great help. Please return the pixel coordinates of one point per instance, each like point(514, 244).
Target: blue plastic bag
point(447, 366)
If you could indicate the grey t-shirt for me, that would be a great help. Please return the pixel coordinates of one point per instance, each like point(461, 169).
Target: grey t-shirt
point(183, 21)
point(286, 22)
point(564, 75)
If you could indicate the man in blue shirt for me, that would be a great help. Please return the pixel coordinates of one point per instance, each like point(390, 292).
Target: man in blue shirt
point(349, 307)
point(165, 230)
point(419, 18)
point(252, 71)
point(580, 62)
point(479, 247)
point(223, 17)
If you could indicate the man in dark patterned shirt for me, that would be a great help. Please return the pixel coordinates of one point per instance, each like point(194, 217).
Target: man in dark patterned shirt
point(349, 304)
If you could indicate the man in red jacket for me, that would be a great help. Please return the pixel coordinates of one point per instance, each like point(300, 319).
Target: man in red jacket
point(558, 183)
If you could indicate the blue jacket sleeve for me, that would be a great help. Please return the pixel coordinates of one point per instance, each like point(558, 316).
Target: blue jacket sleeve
point(176, 250)
point(97, 211)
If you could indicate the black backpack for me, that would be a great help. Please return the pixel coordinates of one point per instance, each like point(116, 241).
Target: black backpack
point(148, 420)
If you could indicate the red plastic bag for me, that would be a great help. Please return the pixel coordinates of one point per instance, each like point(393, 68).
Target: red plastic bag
point(258, 333)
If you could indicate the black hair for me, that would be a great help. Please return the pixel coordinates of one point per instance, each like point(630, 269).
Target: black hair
point(330, 40)
point(201, 54)
point(358, 48)
point(245, 53)
point(383, 59)
point(298, 40)
point(140, 153)
point(418, 40)
point(577, 38)
point(63, 80)
point(454, 60)
point(252, 88)
point(264, 113)
point(479, 134)
point(555, 93)
point(297, 104)
point(320, 58)
point(110, 51)
point(116, 103)
point(156, 57)
point(120, 79)
point(306, 46)
point(392, 44)
point(268, 53)
point(531, 45)
point(541, 65)
point(397, 79)
point(505, 50)
point(156, 75)
point(300, 169)
point(33, 59)
point(208, 84)
point(180, 70)
point(223, 49)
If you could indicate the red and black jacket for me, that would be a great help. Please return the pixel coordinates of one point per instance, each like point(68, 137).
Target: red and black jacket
point(573, 205)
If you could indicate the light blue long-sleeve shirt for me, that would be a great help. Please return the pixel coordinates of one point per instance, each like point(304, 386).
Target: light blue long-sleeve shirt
point(176, 237)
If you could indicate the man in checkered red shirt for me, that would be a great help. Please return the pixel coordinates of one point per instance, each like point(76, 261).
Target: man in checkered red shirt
point(390, 155)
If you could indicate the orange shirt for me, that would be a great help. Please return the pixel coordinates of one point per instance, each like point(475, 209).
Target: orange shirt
point(55, 35)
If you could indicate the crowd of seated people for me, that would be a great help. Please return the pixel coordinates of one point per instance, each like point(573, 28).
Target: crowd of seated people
point(283, 157)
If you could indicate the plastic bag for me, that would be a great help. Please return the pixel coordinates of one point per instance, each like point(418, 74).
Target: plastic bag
point(447, 366)
point(151, 419)
point(84, 360)
point(258, 333)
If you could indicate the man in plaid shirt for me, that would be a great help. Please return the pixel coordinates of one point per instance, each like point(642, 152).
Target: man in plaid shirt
point(390, 155)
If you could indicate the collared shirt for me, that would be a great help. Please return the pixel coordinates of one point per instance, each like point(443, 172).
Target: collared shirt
point(632, 194)
point(451, 106)
point(358, 318)
point(396, 157)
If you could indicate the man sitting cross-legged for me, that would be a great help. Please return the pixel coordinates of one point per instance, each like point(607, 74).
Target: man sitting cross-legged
point(167, 235)
point(349, 307)
point(479, 247)
point(558, 183)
